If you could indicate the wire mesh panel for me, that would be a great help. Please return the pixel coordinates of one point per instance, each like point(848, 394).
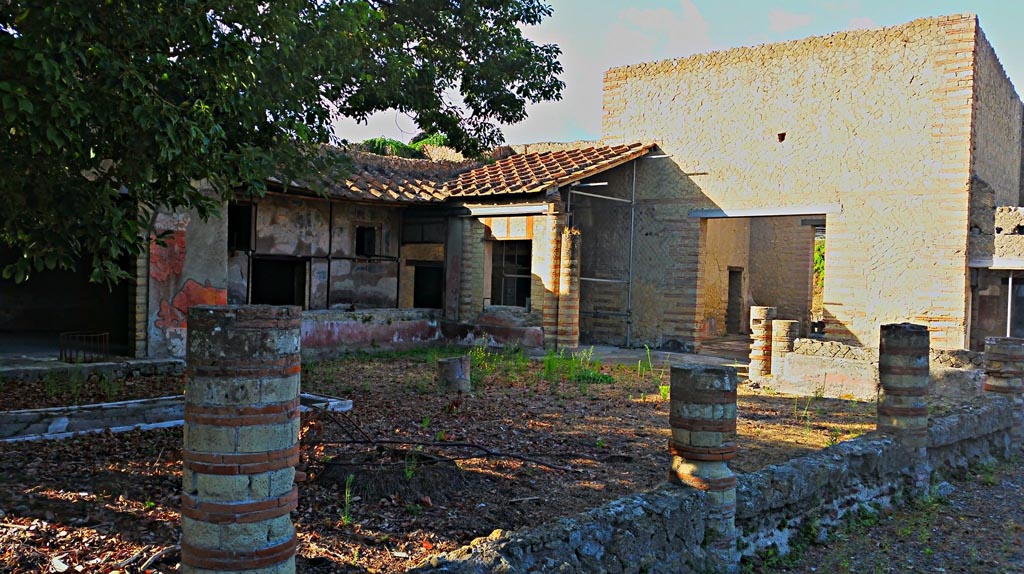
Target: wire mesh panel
point(604, 224)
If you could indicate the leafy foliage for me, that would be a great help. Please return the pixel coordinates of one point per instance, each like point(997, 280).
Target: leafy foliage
point(819, 261)
point(115, 110)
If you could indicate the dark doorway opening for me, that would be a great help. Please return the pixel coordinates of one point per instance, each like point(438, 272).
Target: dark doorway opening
point(734, 307)
point(428, 287)
point(278, 282)
point(55, 301)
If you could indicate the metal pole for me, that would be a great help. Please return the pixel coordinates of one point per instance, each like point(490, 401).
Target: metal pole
point(1009, 305)
point(629, 270)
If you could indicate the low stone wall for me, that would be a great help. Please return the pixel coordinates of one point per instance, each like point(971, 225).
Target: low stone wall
point(82, 371)
point(58, 421)
point(834, 369)
point(331, 333)
point(664, 530)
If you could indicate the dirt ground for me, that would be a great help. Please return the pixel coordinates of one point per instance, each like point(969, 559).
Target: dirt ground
point(411, 471)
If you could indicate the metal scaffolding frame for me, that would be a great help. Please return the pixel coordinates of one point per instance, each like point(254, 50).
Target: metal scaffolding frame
point(628, 280)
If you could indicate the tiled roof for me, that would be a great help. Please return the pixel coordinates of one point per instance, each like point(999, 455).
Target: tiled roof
point(386, 178)
point(536, 172)
point(392, 179)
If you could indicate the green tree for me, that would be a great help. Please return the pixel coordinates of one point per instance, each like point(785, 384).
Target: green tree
point(113, 109)
point(819, 261)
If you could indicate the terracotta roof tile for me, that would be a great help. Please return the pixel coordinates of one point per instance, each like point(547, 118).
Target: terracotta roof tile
point(535, 172)
point(391, 179)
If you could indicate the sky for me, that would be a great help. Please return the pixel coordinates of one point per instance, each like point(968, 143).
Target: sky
point(595, 35)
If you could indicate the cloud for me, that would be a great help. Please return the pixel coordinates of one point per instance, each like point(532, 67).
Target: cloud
point(860, 22)
point(781, 21)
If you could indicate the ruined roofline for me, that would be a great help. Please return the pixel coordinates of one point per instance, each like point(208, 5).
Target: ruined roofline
point(744, 53)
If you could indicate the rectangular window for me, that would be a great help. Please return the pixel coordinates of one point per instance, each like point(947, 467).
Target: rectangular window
point(239, 226)
point(510, 272)
point(278, 282)
point(366, 241)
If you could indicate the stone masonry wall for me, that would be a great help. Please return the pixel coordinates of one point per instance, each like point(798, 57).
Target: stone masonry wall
point(997, 124)
point(995, 162)
point(729, 248)
point(664, 530)
point(604, 254)
point(871, 125)
point(543, 231)
point(782, 266)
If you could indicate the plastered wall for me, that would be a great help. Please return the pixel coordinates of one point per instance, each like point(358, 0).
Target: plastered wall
point(187, 267)
point(728, 247)
point(310, 229)
point(479, 235)
point(781, 266)
point(872, 126)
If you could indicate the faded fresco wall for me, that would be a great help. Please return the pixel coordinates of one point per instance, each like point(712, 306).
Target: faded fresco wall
point(322, 234)
point(873, 123)
point(190, 268)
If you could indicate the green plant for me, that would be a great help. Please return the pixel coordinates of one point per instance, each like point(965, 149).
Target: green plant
point(440, 436)
point(110, 387)
point(664, 390)
point(346, 511)
point(819, 262)
point(149, 505)
point(410, 464)
point(425, 423)
point(600, 442)
point(833, 437)
point(414, 508)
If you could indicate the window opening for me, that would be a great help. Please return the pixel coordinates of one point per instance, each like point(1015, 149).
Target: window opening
point(510, 273)
point(278, 282)
point(366, 241)
point(239, 226)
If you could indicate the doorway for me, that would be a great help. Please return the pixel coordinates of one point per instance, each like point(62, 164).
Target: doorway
point(734, 306)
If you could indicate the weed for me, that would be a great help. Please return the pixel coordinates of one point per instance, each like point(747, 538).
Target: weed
point(425, 423)
point(600, 442)
point(411, 463)
point(440, 436)
point(414, 508)
point(109, 387)
point(149, 505)
point(834, 436)
point(664, 391)
point(819, 391)
point(346, 512)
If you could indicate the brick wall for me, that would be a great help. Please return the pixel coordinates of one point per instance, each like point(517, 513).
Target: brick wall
point(782, 266)
point(728, 247)
point(543, 231)
point(875, 123)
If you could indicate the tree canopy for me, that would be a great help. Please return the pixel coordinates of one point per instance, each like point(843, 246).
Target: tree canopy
point(115, 109)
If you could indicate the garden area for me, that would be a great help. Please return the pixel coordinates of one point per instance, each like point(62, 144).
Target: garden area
point(411, 471)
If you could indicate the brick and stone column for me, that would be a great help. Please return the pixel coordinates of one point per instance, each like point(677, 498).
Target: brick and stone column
point(784, 334)
point(1004, 375)
point(702, 414)
point(550, 317)
point(569, 290)
point(761, 341)
point(903, 377)
point(241, 440)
